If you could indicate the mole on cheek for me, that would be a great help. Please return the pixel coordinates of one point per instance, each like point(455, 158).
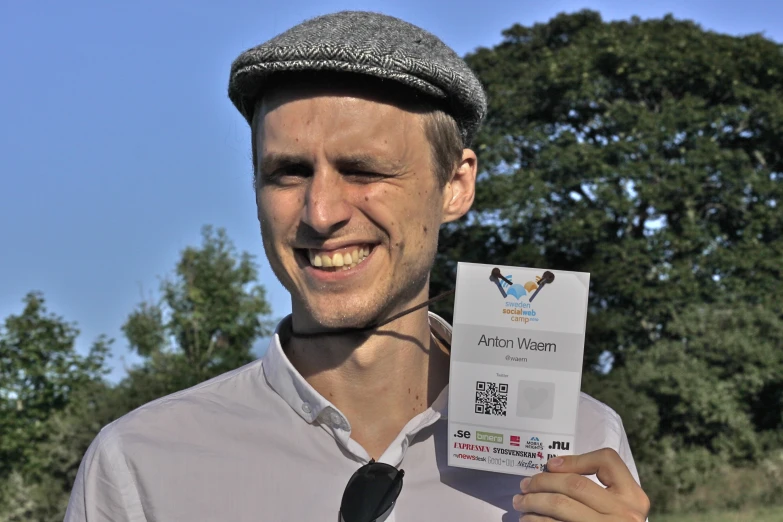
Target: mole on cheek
point(366, 198)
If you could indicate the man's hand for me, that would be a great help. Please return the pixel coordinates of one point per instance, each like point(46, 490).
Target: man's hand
point(564, 494)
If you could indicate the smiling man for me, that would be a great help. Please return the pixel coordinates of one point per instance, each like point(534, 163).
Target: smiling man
point(361, 126)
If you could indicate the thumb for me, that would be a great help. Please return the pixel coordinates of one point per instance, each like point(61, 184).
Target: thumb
point(604, 463)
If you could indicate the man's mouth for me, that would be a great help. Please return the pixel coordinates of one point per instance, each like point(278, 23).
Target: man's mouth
point(339, 259)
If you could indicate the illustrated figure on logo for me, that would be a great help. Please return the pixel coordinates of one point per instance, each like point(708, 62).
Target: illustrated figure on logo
point(508, 288)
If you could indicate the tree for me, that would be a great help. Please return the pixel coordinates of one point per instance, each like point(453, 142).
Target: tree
point(706, 402)
point(53, 402)
point(206, 322)
point(648, 154)
point(41, 378)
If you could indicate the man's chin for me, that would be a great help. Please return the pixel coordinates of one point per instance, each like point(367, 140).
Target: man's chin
point(328, 322)
point(332, 316)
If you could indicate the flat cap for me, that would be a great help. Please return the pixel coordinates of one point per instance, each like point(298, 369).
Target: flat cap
point(367, 43)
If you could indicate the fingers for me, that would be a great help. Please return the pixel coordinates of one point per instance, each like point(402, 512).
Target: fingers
point(555, 506)
point(622, 497)
point(576, 487)
point(605, 463)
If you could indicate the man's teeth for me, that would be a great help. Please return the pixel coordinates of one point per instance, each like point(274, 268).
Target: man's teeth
point(344, 260)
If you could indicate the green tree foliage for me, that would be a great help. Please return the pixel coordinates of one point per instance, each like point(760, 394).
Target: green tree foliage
point(648, 154)
point(206, 322)
point(40, 371)
point(43, 496)
point(53, 401)
point(705, 401)
point(42, 377)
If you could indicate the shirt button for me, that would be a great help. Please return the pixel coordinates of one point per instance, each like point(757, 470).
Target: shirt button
point(336, 420)
point(306, 407)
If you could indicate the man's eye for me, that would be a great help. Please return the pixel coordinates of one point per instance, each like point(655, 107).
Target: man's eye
point(287, 174)
point(295, 171)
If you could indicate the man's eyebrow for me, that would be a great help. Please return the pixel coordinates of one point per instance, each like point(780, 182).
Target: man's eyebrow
point(353, 163)
point(273, 161)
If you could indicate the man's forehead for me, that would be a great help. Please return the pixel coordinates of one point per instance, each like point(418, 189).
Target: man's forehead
point(366, 137)
point(339, 105)
point(307, 85)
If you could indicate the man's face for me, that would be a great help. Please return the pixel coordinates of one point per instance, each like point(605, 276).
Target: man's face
point(349, 205)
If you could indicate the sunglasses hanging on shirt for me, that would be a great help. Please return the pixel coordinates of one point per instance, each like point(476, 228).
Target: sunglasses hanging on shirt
point(371, 493)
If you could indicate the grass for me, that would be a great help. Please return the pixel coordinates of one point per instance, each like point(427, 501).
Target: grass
point(752, 515)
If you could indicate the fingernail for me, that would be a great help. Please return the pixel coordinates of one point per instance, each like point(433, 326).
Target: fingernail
point(554, 462)
point(525, 485)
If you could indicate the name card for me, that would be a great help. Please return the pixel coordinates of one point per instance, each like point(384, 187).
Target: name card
point(516, 366)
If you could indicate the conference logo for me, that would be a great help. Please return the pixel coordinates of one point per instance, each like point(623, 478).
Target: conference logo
point(518, 297)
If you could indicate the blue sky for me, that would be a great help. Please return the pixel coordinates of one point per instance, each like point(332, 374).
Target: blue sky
point(118, 141)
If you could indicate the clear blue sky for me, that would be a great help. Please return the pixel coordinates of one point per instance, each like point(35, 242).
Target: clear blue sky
point(118, 141)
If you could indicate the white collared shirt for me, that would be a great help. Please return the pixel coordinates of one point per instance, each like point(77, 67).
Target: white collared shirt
point(260, 444)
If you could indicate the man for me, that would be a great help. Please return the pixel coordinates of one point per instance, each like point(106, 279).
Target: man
point(361, 125)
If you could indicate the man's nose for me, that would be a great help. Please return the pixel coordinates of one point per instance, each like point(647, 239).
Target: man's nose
point(326, 208)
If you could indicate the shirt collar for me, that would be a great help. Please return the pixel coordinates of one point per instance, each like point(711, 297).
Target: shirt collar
point(287, 381)
point(303, 398)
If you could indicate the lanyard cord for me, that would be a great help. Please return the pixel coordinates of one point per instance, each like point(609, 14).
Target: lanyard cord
point(343, 331)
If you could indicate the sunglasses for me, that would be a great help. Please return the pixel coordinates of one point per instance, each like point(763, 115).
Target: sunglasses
point(371, 493)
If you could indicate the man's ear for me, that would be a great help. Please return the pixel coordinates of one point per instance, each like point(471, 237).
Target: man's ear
point(459, 192)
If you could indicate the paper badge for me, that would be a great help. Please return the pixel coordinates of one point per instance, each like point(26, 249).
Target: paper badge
point(516, 366)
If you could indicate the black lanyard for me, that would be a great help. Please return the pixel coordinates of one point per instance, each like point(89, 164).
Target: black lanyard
point(342, 331)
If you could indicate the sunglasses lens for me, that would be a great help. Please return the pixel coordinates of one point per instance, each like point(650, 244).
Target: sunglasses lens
point(371, 493)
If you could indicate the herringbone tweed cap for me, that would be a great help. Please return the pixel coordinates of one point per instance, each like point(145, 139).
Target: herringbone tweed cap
point(367, 43)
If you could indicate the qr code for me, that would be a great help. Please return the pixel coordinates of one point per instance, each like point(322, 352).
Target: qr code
point(491, 398)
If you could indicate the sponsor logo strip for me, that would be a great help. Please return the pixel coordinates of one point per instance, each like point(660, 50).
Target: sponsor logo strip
point(484, 436)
